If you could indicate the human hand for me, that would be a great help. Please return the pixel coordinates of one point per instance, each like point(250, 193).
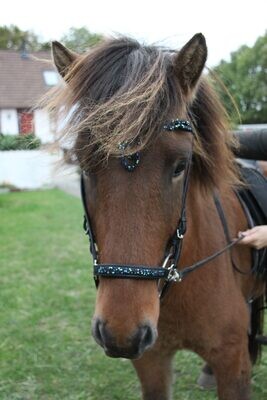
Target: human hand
point(255, 237)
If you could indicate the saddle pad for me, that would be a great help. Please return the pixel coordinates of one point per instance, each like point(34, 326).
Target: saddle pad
point(257, 190)
point(254, 195)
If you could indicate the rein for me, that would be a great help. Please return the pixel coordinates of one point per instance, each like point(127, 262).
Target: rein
point(169, 271)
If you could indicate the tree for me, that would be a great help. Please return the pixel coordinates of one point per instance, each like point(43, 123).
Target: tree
point(245, 76)
point(13, 38)
point(80, 39)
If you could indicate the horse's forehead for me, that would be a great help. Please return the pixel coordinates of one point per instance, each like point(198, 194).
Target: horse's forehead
point(166, 149)
point(179, 141)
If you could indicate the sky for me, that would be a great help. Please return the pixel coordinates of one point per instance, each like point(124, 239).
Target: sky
point(226, 24)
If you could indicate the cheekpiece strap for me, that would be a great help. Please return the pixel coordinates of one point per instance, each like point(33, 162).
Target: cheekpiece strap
point(86, 221)
point(129, 271)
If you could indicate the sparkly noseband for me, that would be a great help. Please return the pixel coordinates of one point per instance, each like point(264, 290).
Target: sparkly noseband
point(133, 271)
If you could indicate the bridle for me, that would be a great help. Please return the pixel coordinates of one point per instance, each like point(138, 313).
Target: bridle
point(168, 272)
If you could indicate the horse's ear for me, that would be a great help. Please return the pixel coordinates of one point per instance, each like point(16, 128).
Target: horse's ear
point(63, 57)
point(190, 61)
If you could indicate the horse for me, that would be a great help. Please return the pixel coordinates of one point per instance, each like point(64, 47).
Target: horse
point(153, 142)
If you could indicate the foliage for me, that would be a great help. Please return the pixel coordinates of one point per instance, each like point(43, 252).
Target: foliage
point(245, 76)
point(80, 39)
point(47, 300)
point(19, 142)
point(13, 38)
point(77, 39)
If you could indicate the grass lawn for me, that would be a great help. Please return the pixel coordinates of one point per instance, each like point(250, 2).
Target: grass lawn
point(47, 301)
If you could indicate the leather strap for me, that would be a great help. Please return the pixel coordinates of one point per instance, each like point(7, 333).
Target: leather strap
point(185, 271)
point(130, 271)
point(87, 226)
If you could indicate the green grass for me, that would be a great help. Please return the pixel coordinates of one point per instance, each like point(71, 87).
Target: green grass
point(47, 301)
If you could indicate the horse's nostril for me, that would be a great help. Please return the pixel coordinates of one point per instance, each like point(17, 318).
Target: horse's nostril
point(145, 337)
point(134, 346)
point(99, 332)
point(148, 337)
point(96, 331)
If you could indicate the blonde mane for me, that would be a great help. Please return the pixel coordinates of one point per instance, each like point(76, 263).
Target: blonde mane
point(121, 91)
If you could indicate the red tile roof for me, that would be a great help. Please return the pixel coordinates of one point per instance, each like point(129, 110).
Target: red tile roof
point(21, 79)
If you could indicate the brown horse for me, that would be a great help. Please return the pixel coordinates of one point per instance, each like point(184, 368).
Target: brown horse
point(121, 95)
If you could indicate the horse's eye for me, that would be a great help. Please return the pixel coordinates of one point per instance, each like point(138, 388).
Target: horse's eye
point(180, 167)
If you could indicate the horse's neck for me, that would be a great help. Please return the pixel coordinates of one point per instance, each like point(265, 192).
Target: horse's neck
point(204, 223)
point(199, 208)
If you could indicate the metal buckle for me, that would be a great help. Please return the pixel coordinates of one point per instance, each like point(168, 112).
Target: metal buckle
point(165, 262)
point(85, 226)
point(179, 235)
point(173, 275)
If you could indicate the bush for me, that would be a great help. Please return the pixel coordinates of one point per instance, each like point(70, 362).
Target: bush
point(19, 142)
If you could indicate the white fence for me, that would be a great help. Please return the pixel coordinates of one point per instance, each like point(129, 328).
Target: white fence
point(29, 169)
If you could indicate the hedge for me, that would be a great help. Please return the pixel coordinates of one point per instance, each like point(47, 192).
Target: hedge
point(19, 142)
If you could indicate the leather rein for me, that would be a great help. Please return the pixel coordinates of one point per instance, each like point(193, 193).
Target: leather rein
point(169, 271)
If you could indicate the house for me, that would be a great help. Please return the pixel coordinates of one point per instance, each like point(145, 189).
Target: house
point(24, 79)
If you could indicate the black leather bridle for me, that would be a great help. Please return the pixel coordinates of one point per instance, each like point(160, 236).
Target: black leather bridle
point(168, 272)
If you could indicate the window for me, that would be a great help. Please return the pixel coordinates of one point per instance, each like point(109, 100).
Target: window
point(51, 78)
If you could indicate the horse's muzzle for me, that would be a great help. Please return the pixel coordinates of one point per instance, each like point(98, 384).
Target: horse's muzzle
point(142, 339)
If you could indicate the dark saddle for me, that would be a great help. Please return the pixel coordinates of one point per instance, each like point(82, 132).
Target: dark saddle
point(253, 198)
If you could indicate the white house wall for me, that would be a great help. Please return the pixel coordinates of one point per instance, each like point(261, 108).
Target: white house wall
point(42, 126)
point(9, 122)
point(29, 169)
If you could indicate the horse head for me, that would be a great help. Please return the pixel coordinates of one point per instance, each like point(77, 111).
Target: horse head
point(122, 96)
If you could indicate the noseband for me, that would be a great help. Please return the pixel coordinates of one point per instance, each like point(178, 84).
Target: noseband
point(169, 271)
